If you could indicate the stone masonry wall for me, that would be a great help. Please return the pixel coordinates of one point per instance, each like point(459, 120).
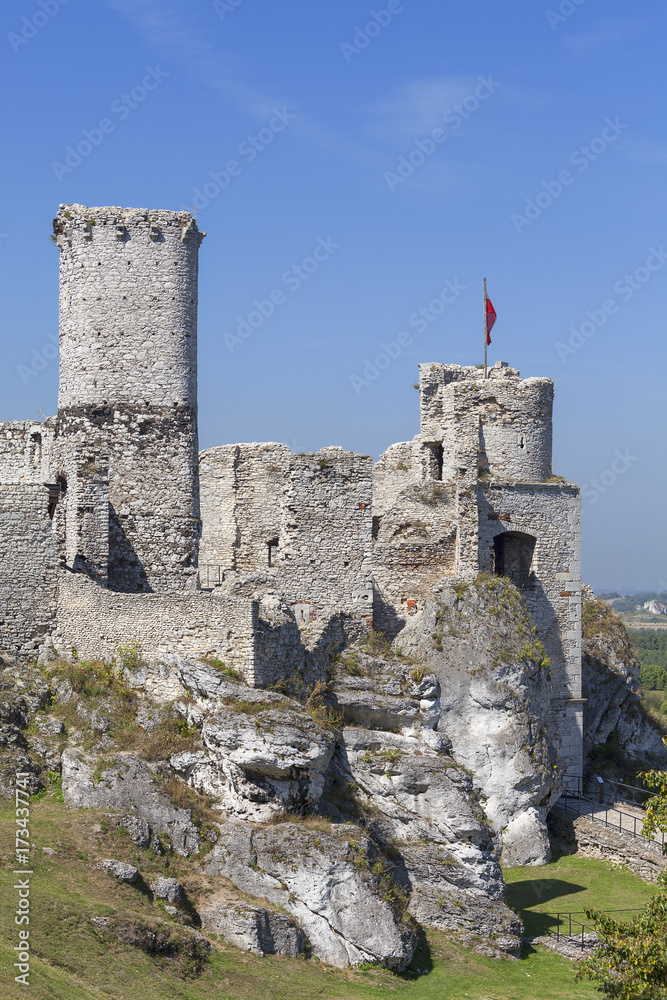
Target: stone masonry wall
point(28, 567)
point(128, 371)
point(96, 621)
point(241, 488)
point(324, 553)
point(414, 532)
point(295, 524)
point(551, 513)
point(24, 451)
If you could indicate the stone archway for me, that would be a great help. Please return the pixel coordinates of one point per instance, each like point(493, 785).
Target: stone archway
point(513, 556)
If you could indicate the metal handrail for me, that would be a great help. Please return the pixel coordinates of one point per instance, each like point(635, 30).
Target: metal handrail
point(211, 575)
point(569, 916)
point(596, 814)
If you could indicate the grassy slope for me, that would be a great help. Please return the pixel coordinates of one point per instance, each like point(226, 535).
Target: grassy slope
point(71, 963)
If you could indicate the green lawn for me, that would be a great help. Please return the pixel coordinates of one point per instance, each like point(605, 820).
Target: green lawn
point(569, 885)
point(71, 962)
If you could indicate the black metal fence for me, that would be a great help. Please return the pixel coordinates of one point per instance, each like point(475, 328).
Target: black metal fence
point(567, 925)
point(611, 817)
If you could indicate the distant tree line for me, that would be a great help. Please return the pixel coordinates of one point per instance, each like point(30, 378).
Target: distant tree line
point(651, 650)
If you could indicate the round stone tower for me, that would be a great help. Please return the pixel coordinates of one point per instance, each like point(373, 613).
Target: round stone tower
point(516, 426)
point(128, 382)
point(507, 419)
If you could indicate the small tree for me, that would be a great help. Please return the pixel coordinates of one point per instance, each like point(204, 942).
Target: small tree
point(631, 960)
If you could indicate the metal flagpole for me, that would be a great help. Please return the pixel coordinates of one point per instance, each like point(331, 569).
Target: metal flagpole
point(486, 332)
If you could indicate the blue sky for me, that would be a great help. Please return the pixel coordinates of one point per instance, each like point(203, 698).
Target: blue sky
point(545, 173)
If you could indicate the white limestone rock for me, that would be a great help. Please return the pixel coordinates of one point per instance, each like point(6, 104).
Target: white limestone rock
point(127, 784)
point(126, 873)
point(169, 889)
point(255, 929)
point(325, 881)
point(610, 684)
point(419, 792)
point(262, 760)
point(495, 702)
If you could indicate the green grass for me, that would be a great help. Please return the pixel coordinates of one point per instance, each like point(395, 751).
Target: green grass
point(570, 884)
point(72, 963)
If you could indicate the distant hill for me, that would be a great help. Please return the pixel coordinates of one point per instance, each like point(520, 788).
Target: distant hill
point(628, 604)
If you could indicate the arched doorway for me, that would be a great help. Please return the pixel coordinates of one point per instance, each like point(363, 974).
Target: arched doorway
point(513, 552)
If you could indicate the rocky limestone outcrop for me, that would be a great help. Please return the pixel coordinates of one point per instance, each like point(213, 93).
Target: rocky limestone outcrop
point(23, 692)
point(256, 929)
point(127, 783)
point(610, 685)
point(494, 678)
point(338, 837)
point(426, 818)
point(272, 760)
point(331, 880)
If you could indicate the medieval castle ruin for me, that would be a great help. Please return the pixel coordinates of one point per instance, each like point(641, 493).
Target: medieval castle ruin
point(114, 528)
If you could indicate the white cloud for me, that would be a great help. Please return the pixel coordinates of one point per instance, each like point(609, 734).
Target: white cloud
point(177, 30)
point(603, 34)
point(417, 107)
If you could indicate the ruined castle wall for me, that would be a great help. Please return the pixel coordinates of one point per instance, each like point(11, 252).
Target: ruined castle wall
point(242, 489)
point(28, 566)
point(325, 549)
point(25, 451)
point(414, 532)
point(128, 362)
point(552, 515)
point(96, 621)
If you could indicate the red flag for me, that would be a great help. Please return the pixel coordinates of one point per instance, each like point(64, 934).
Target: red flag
point(490, 319)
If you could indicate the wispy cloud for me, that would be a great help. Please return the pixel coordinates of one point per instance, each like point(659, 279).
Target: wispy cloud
point(178, 31)
point(417, 107)
point(602, 34)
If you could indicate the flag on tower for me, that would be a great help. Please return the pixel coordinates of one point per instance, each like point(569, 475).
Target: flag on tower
point(490, 319)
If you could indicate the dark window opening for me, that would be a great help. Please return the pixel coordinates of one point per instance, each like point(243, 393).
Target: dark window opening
point(56, 490)
point(36, 448)
point(513, 552)
point(522, 441)
point(439, 455)
point(375, 530)
point(435, 460)
point(272, 547)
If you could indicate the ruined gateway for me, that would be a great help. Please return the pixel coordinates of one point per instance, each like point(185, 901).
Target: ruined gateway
point(114, 529)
